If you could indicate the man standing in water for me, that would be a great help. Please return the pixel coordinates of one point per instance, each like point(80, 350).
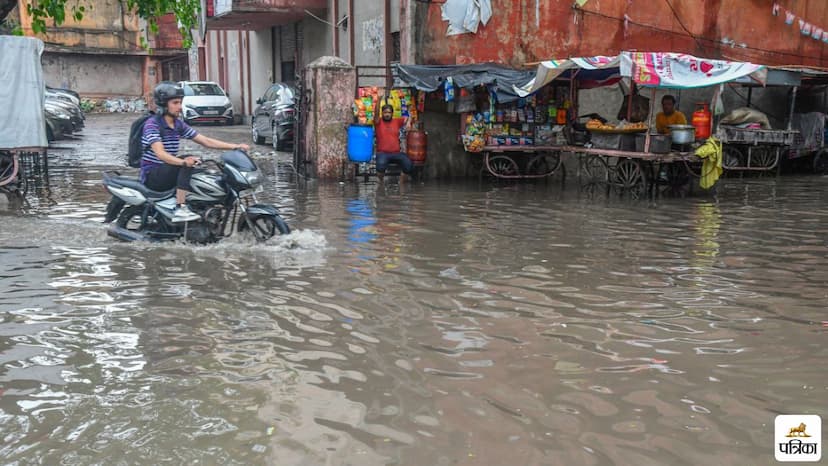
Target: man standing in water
point(388, 142)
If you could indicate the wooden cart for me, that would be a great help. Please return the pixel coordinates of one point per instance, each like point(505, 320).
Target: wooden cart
point(522, 162)
point(636, 173)
point(747, 149)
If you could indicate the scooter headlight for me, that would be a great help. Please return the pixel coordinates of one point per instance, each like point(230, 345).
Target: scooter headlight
point(253, 178)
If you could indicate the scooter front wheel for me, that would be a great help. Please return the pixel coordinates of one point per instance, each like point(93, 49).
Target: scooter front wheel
point(265, 227)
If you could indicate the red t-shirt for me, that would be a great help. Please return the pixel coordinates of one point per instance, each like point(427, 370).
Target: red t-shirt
point(388, 135)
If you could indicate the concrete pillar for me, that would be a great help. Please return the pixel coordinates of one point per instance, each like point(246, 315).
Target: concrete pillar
point(330, 83)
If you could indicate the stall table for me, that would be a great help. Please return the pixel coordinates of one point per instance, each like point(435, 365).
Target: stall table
point(747, 149)
point(635, 171)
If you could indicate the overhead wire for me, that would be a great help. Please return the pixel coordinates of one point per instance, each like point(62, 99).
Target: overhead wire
point(683, 34)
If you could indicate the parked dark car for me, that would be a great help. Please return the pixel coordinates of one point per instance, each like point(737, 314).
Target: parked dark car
point(54, 126)
point(274, 116)
point(65, 91)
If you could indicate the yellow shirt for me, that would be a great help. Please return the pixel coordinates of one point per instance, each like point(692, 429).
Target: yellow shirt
point(663, 121)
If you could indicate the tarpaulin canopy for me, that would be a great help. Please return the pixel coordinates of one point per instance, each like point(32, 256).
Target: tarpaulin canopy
point(647, 69)
point(22, 123)
point(430, 77)
point(682, 71)
point(595, 71)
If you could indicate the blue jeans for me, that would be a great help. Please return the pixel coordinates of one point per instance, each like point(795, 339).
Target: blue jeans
point(383, 158)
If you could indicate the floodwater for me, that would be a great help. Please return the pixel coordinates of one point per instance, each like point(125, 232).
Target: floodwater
point(448, 323)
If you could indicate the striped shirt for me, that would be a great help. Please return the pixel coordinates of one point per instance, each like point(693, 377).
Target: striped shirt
point(171, 138)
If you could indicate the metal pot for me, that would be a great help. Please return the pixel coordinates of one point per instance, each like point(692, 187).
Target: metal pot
point(682, 134)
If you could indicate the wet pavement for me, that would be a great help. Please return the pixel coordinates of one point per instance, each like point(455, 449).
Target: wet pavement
point(445, 323)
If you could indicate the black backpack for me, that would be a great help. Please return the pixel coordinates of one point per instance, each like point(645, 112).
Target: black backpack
point(136, 133)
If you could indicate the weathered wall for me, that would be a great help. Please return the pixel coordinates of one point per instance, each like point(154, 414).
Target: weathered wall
point(94, 75)
point(317, 40)
point(330, 82)
point(106, 26)
point(369, 38)
point(227, 64)
point(261, 64)
point(522, 31)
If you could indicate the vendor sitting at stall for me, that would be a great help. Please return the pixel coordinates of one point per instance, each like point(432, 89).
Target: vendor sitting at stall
point(388, 142)
point(669, 115)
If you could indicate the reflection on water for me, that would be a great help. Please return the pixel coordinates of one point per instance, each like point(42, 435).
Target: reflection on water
point(442, 323)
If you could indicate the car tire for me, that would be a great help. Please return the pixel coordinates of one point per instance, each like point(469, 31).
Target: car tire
point(228, 122)
point(256, 137)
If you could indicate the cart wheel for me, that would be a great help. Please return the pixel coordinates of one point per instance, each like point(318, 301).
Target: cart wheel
point(763, 157)
point(544, 164)
point(732, 158)
point(821, 162)
point(503, 165)
point(629, 176)
point(595, 168)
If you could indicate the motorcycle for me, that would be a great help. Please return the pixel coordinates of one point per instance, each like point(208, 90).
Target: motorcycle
point(220, 196)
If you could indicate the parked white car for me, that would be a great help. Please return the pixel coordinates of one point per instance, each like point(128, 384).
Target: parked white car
point(206, 102)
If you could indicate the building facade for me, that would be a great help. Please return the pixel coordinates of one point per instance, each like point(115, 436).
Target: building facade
point(250, 44)
point(102, 56)
point(526, 31)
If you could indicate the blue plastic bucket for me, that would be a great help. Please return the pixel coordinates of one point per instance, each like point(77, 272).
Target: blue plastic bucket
point(360, 143)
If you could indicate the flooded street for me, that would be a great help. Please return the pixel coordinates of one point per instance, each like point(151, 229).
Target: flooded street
point(445, 323)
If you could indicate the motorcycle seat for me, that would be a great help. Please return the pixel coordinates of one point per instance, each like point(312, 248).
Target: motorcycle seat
point(135, 184)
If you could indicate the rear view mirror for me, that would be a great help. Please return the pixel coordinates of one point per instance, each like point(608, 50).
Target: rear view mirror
point(259, 101)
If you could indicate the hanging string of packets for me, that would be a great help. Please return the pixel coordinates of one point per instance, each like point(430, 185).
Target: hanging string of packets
point(805, 27)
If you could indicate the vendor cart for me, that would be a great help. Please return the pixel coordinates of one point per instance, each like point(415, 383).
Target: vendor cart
point(518, 162)
point(748, 149)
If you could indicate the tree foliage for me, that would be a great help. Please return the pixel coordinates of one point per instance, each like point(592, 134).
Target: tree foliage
point(185, 11)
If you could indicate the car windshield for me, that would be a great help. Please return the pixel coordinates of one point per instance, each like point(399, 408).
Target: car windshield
point(202, 89)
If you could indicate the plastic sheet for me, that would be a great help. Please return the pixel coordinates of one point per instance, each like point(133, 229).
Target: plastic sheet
point(22, 123)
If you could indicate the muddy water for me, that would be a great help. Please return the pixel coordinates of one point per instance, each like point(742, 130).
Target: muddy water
point(445, 323)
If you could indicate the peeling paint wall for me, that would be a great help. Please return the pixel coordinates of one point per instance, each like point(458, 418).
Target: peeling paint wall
point(520, 33)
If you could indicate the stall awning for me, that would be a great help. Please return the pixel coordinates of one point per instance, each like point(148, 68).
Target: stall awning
point(647, 69)
point(682, 71)
point(431, 77)
point(593, 72)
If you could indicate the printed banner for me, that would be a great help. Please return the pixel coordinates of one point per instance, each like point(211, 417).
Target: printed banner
point(682, 71)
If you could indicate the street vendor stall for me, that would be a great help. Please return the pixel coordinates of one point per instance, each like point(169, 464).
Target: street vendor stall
point(368, 101)
point(615, 154)
point(517, 137)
